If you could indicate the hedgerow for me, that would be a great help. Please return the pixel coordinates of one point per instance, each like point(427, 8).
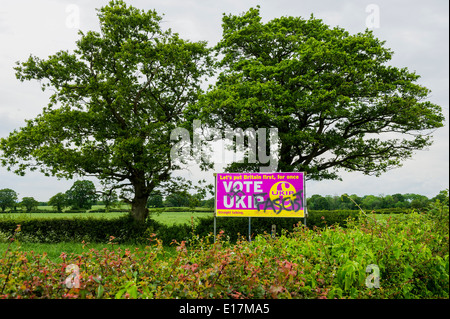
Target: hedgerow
point(93, 229)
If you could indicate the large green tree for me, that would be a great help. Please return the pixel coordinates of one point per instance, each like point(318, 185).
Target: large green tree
point(82, 195)
point(116, 99)
point(59, 202)
point(334, 98)
point(29, 203)
point(8, 198)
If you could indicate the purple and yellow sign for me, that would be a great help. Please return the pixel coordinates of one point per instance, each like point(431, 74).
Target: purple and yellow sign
point(260, 195)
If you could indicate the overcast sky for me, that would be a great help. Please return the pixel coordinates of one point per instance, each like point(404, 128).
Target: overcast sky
point(417, 31)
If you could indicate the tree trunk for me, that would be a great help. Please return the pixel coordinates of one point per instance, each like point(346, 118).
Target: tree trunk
point(139, 209)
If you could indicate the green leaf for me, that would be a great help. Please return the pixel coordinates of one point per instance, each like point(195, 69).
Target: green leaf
point(408, 271)
point(120, 293)
point(100, 291)
point(132, 290)
point(397, 253)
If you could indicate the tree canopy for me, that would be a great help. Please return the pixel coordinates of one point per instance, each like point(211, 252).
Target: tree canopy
point(334, 98)
point(29, 203)
point(59, 201)
point(82, 195)
point(8, 198)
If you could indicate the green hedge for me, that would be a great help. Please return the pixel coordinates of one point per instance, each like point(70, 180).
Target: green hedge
point(181, 209)
point(351, 211)
point(209, 210)
point(71, 211)
point(234, 226)
point(111, 210)
point(391, 211)
point(89, 229)
point(124, 229)
point(45, 211)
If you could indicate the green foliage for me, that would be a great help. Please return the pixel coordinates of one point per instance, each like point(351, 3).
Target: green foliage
point(371, 202)
point(97, 229)
point(109, 199)
point(155, 200)
point(111, 210)
point(237, 227)
point(178, 199)
point(318, 202)
point(179, 192)
point(438, 215)
point(328, 262)
point(91, 229)
point(326, 91)
point(29, 203)
point(8, 198)
point(59, 201)
point(442, 197)
point(82, 195)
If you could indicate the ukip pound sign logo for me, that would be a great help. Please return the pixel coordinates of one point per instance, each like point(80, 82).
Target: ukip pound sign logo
point(284, 192)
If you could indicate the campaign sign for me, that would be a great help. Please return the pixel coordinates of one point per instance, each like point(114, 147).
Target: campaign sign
point(260, 195)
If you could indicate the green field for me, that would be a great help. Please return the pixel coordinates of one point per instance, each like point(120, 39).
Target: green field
point(60, 215)
point(168, 218)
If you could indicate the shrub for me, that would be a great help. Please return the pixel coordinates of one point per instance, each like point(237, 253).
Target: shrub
point(75, 229)
point(125, 230)
point(393, 211)
point(111, 210)
point(235, 227)
point(327, 262)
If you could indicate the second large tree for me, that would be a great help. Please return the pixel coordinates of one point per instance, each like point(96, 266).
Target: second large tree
point(336, 101)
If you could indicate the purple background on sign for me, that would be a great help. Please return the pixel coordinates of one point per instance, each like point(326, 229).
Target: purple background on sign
point(265, 186)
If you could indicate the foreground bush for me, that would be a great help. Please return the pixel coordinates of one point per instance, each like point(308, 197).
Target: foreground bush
point(410, 251)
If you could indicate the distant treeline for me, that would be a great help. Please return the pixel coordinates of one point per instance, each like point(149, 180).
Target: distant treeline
point(84, 199)
point(329, 202)
point(372, 202)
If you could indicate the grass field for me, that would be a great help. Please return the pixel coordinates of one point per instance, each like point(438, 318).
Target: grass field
point(168, 218)
point(60, 215)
